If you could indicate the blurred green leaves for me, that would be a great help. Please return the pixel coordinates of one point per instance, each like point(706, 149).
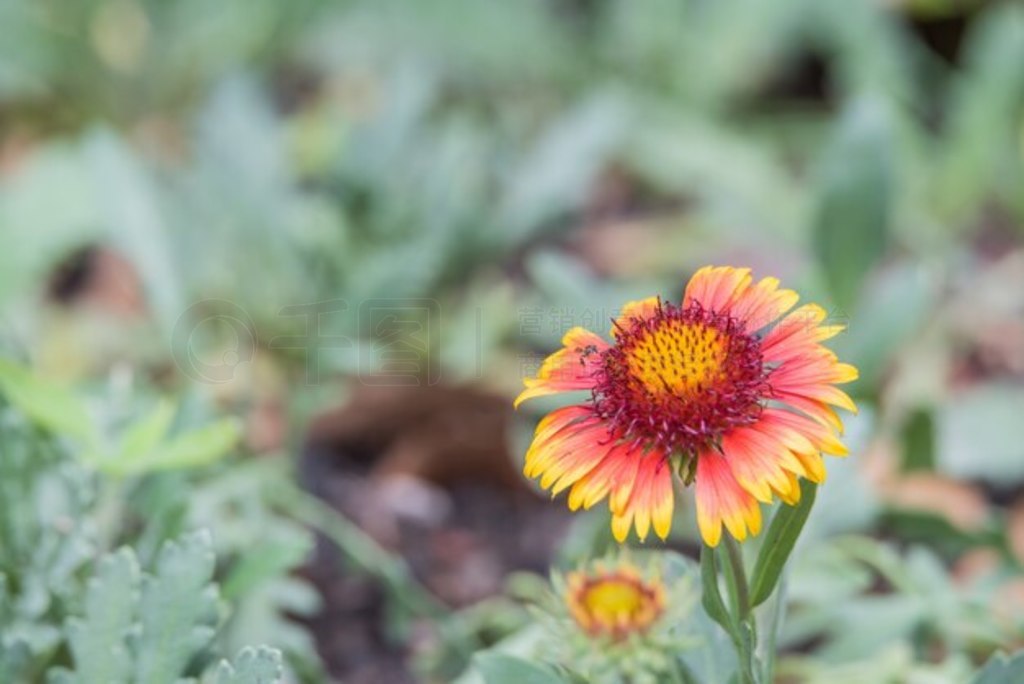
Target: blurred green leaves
point(1002, 669)
point(981, 151)
point(177, 609)
point(99, 638)
point(251, 666)
point(52, 406)
point(144, 446)
point(852, 221)
point(272, 154)
point(981, 435)
point(139, 627)
point(498, 668)
point(191, 449)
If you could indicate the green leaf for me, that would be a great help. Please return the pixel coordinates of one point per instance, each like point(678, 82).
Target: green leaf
point(1002, 669)
point(98, 639)
point(981, 436)
point(143, 436)
point(919, 441)
point(892, 310)
point(711, 597)
point(498, 668)
point(981, 154)
point(557, 175)
point(191, 450)
point(778, 543)
point(51, 406)
point(177, 610)
point(263, 562)
point(37, 231)
point(129, 201)
point(252, 666)
point(851, 224)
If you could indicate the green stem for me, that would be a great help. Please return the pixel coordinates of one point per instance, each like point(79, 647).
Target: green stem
point(360, 550)
point(745, 634)
point(774, 623)
point(681, 674)
point(738, 578)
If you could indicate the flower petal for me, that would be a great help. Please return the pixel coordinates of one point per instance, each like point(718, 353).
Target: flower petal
point(650, 499)
point(618, 465)
point(761, 466)
point(553, 459)
point(762, 304)
point(722, 500)
point(570, 368)
point(640, 309)
point(820, 436)
point(716, 288)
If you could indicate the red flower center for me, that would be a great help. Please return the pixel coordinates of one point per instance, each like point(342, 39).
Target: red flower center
point(681, 378)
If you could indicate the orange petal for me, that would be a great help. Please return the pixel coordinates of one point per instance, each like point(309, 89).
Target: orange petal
point(641, 309)
point(816, 410)
point(762, 304)
point(547, 457)
point(617, 465)
point(722, 500)
point(650, 499)
point(570, 368)
point(716, 287)
point(798, 328)
point(826, 394)
point(821, 436)
point(758, 464)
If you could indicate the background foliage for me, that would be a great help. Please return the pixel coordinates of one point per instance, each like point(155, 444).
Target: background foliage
point(175, 175)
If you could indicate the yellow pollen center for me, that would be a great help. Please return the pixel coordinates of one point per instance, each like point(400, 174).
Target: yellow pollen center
point(612, 600)
point(678, 358)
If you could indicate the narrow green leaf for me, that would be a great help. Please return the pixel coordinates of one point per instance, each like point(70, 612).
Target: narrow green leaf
point(144, 436)
point(851, 225)
point(191, 450)
point(51, 406)
point(263, 562)
point(919, 441)
point(980, 153)
point(779, 541)
point(711, 597)
point(499, 668)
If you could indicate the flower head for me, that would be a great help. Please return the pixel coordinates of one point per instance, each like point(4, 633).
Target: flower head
point(731, 389)
point(621, 618)
point(614, 601)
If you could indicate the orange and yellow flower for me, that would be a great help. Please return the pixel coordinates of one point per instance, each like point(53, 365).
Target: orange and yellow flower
point(731, 389)
point(614, 601)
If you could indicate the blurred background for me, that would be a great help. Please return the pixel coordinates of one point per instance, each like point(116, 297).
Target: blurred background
point(277, 270)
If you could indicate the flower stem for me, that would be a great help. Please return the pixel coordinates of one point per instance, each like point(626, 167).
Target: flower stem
point(743, 632)
point(737, 578)
point(770, 630)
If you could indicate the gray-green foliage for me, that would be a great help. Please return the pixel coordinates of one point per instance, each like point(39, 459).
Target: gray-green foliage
point(251, 666)
point(1002, 669)
point(855, 204)
point(148, 612)
point(99, 638)
point(178, 607)
point(148, 627)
